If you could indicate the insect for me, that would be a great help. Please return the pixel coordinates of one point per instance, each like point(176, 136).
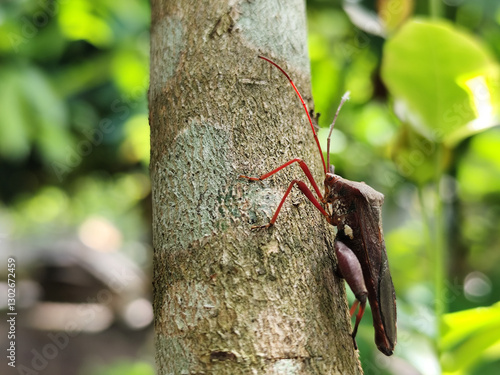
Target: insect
point(355, 209)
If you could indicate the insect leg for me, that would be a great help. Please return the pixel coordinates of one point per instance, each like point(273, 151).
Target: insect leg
point(302, 165)
point(305, 190)
point(353, 308)
point(350, 268)
point(361, 311)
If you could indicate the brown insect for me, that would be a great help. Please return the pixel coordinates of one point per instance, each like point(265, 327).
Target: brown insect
point(355, 209)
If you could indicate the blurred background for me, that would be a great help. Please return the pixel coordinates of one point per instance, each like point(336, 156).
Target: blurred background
point(75, 195)
point(75, 201)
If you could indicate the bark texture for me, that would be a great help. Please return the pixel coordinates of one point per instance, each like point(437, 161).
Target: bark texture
point(228, 300)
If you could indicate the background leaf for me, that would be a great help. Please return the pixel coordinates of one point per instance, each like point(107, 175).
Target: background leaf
point(468, 334)
point(441, 78)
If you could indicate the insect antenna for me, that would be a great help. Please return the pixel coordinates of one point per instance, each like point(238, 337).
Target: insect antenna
point(305, 108)
point(345, 98)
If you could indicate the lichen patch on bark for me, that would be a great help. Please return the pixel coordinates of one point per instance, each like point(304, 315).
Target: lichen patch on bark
point(276, 26)
point(198, 174)
point(166, 49)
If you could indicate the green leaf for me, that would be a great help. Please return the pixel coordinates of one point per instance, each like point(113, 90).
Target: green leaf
point(467, 335)
point(444, 82)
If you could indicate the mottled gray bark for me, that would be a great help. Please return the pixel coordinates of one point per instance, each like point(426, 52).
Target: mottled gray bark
point(228, 300)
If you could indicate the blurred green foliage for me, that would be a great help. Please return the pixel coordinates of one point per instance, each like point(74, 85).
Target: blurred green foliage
point(74, 134)
point(120, 368)
point(74, 143)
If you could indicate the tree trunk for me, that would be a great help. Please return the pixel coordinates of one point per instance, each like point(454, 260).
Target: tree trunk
point(229, 300)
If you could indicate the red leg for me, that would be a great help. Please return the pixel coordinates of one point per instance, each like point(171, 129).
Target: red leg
point(353, 307)
point(302, 165)
point(304, 189)
point(361, 311)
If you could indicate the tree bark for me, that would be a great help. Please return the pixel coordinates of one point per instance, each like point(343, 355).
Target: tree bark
point(229, 300)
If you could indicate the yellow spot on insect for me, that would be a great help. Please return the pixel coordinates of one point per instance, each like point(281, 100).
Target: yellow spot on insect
point(348, 231)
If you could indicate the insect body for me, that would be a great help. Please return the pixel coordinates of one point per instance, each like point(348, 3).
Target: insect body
point(355, 209)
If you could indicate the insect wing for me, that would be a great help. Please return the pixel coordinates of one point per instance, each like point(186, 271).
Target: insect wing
point(376, 272)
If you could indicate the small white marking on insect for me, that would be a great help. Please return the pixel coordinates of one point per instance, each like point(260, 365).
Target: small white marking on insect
point(348, 231)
